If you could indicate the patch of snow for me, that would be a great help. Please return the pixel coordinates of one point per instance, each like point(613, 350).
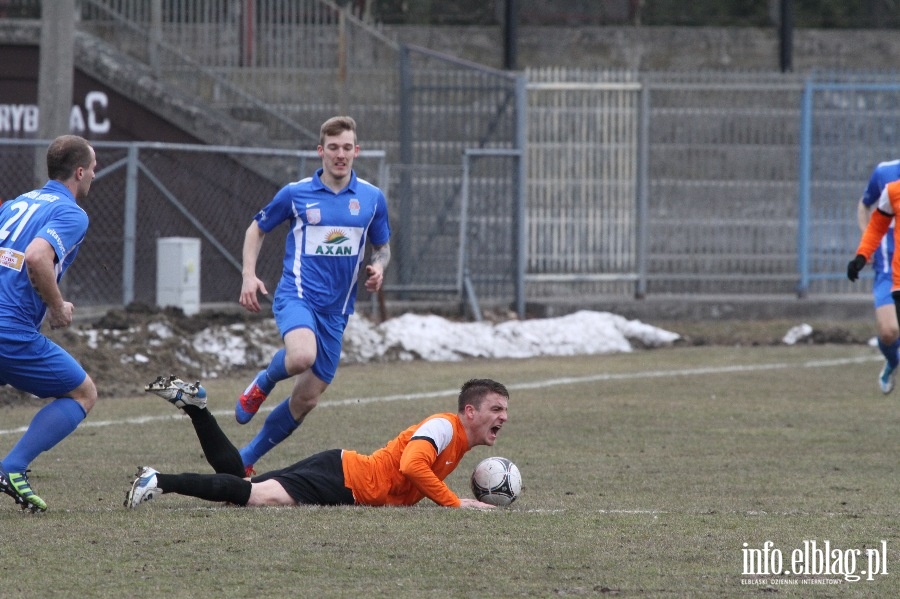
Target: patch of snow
point(160, 329)
point(219, 348)
point(797, 333)
point(432, 338)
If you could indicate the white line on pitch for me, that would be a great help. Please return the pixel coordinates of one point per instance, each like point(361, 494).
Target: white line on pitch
point(514, 386)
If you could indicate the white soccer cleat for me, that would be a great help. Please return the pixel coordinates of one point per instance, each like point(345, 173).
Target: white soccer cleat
point(143, 488)
point(887, 378)
point(177, 392)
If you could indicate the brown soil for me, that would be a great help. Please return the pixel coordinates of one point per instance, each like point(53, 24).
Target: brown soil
point(120, 335)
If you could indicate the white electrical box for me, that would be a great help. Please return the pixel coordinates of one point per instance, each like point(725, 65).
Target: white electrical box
point(178, 273)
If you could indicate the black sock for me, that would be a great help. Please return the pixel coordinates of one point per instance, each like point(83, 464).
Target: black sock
point(220, 452)
point(212, 487)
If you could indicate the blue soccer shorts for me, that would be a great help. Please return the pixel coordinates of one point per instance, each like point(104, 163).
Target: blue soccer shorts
point(295, 313)
point(32, 363)
point(881, 288)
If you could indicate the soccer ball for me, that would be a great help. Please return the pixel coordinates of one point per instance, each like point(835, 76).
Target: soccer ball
point(496, 481)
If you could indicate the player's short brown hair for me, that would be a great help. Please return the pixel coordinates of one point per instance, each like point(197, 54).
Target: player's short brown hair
point(335, 126)
point(474, 391)
point(65, 154)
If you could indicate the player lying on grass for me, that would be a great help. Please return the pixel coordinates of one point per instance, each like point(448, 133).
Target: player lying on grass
point(411, 466)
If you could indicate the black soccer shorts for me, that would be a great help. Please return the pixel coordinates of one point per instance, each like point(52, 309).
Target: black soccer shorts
point(316, 480)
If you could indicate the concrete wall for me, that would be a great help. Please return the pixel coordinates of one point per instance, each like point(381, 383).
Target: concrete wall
point(643, 48)
point(663, 48)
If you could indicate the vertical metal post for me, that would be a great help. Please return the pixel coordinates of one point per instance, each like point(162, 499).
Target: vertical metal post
point(643, 179)
point(129, 226)
point(521, 196)
point(56, 73)
point(804, 199)
point(510, 35)
point(155, 35)
point(384, 176)
point(462, 263)
point(404, 246)
point(248, 33)
point(786, 36)
point(343, 43)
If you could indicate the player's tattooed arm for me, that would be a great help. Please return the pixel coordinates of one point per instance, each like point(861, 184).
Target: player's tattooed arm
point(40, 261)
point(381, 254)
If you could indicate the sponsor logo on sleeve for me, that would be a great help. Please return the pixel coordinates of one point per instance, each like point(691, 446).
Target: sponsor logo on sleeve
point(13, 259)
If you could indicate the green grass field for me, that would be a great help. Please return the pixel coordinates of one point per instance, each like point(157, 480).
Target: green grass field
point(645, 474)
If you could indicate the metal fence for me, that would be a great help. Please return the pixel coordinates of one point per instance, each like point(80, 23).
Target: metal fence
point(556, 182)
point(722, 153)
point(583, 209)
point(456, 118)
point(286, 66)
point(146, 191)
point(628, 182)
point(259, 35)
point(849, 125)
point(662, 183)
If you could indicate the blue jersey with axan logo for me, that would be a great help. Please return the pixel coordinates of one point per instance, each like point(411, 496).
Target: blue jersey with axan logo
point(326, 242)
point(49, 213)
point(883, 174)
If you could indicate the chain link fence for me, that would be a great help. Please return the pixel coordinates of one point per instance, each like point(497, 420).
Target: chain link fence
point(146, 191)
point(849, 126)
point(721, 182)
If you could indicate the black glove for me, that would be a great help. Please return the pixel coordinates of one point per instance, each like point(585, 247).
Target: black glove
point(855, 266)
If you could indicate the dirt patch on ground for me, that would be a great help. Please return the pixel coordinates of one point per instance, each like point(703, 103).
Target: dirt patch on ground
point(769, 332)
point(127, 348)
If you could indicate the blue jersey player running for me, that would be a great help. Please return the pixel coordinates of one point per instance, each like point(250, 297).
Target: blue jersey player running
point(40, 233)
point(885, 313)
point(331, 216)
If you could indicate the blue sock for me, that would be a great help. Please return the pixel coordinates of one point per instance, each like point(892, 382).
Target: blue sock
point(268, 378)
point(278, 426)
point(53, 423)
point(890, 352)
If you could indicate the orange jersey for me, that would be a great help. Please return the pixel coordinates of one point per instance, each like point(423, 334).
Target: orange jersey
point(411, 466)
point(888, 205)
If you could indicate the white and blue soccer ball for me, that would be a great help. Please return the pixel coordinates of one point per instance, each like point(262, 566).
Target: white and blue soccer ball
point(496, 481)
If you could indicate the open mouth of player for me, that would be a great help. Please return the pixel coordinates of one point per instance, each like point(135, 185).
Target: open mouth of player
point(495, 430)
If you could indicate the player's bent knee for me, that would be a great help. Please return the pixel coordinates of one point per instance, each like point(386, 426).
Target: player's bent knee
point(301, 406)
point(889, 337)
point(296, 364)
point(85, 394)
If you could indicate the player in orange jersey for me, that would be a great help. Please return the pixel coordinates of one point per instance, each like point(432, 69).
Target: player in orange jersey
point(410, 467)
point(882, 217)
point(887, 206)
point(885, 313)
